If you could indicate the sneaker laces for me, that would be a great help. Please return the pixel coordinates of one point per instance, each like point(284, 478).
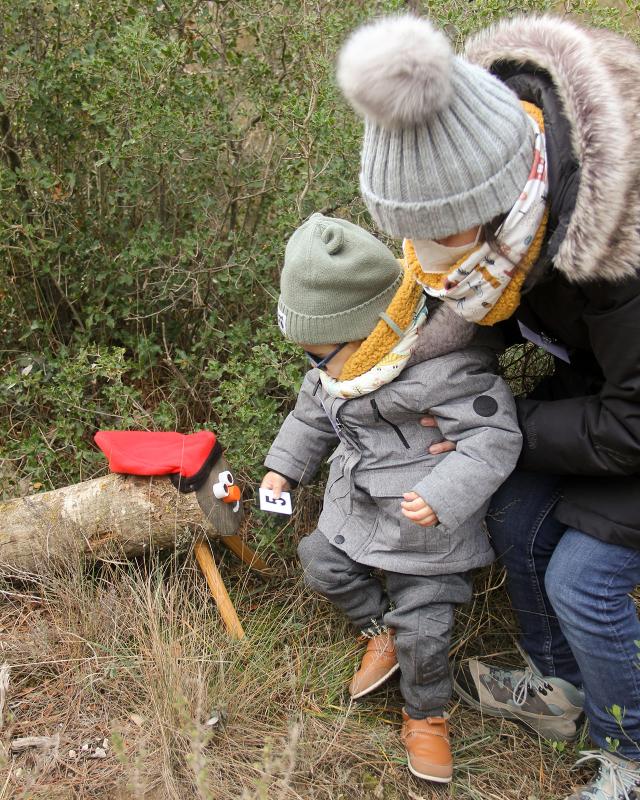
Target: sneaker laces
point(531, 682)
point(614, 781)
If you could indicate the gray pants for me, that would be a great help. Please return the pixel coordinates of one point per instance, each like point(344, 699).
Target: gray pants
point(419, 608)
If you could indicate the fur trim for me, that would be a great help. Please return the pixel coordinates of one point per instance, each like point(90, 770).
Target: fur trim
point(597, 77)
point(396, 71)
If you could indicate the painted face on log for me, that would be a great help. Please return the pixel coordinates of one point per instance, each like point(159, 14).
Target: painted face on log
point(220, 499)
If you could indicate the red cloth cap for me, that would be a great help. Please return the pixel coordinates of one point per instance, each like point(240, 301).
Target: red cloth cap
point(151, 453)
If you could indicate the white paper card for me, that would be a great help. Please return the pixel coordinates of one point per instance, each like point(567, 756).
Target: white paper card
point(269, 503)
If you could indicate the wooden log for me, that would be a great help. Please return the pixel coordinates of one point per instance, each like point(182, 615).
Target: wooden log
point(116, 515)
point(125, 515)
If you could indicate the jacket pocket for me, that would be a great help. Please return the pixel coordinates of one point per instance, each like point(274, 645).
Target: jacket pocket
point(338, 487)
point(386, 488)
point(379, 418)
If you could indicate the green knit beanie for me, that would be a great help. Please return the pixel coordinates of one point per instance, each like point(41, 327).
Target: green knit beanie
point(336, 280)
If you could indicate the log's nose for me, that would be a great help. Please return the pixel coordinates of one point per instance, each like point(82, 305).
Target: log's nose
point(234, 494)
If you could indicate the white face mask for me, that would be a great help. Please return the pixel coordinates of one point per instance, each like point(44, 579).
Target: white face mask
point(436, 257)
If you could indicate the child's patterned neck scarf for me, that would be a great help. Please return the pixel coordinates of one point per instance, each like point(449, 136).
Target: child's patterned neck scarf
point(388, 367)
point(484, 286)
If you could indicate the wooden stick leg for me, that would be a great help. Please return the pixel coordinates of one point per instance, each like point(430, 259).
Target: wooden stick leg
point(237, 545)
point(208, 566)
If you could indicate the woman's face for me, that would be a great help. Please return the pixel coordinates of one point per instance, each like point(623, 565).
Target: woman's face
point(459, 239)
point(334, 366)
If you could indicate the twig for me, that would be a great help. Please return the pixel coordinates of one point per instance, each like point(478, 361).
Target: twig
point(4, 686)
point(41, 743)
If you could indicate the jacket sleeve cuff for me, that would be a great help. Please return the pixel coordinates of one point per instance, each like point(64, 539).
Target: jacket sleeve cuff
point(434, 493)
point(287, 469)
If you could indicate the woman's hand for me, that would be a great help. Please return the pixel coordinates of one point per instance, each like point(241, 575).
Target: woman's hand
point(439, 447)
point(415, 509)
point(275, 483)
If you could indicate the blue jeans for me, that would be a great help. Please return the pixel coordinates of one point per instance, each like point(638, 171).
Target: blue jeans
point(570, 592)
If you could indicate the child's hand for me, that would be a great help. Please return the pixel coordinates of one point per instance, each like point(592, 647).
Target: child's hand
point(415, 509)
point(439, 447)
point(276, 483)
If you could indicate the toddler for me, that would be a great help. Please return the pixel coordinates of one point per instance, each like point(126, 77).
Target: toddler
point(383, 355)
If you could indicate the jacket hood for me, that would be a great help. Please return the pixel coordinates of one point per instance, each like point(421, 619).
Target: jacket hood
point(596, 75)
point(444, 332)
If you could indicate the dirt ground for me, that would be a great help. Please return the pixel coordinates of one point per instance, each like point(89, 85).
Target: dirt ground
point(129, 674)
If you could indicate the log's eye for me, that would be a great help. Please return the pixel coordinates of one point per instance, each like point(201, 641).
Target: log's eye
point(226, 477)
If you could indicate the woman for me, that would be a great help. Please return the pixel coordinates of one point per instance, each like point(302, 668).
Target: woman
point(513, 176)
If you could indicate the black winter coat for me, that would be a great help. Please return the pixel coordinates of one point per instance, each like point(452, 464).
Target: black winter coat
point(583, 423)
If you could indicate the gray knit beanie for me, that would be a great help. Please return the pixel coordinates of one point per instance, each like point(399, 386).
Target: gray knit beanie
point(336, 280)
point(447, 146)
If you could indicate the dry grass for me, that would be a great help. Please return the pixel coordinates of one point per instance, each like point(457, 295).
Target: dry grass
point(137, 656)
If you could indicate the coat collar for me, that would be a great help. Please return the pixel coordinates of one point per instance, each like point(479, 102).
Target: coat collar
point(599, 99)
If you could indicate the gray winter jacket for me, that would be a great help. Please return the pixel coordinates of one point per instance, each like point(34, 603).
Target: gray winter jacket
point(383, 452)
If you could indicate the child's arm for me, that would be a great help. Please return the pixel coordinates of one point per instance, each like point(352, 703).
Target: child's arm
point(476, 410)
point(305, 438)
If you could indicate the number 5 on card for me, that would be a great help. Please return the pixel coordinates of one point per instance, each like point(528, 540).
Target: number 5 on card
point(269, 503)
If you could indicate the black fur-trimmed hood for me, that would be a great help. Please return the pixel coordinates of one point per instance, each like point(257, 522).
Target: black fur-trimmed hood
point(596, 75)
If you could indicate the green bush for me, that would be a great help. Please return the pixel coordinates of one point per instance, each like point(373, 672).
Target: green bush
point(154, 158)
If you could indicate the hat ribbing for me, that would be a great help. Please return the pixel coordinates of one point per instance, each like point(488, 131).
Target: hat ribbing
point(447, 146)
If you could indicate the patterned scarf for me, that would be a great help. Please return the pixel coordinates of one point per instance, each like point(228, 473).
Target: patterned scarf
point(484, 286)
point(386, 368)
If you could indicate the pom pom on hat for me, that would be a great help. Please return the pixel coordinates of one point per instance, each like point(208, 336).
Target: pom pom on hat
point(447, 145)
point(396, 71)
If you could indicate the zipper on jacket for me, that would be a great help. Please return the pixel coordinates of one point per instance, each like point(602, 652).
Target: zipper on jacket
point(378, 416)
point(337, 426)
point(342, 426)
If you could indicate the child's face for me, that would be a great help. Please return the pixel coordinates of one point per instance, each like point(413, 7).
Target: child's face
point(334, 365)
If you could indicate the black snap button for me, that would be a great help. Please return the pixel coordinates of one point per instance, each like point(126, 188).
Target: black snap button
point(485, 406)
point(338, 539)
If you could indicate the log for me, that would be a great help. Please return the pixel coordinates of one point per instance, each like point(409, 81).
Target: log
point(112, 516)
point(126, 515)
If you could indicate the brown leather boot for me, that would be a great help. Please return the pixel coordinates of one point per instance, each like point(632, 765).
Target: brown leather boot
point(427, 745)
point(378, 664)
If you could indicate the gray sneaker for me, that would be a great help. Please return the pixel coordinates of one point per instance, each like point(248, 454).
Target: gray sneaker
point(617, 778)
point(550, 706)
